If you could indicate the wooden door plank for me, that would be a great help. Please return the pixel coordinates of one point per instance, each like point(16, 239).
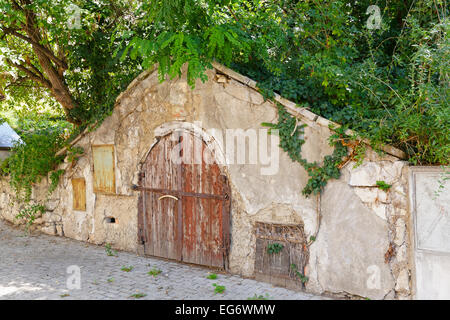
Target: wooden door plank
point(205, 215)
point(165, 173)
point(218, 240)
point(189, 204)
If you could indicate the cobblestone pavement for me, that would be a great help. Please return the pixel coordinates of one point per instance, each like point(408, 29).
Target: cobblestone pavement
point(35, 267)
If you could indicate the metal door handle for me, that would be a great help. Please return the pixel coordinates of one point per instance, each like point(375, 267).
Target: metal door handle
point(168, 196)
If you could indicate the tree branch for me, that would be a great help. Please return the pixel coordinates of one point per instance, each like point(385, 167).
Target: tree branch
point(16, 5)
point(230, 9)
point(35, 69)
point(20, 82)
point(62, 64)
point(31, 74)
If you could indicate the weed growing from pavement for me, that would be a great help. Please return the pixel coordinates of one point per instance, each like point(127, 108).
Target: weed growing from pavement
point(109, 251)
point(260, 297)
point(127, 268)
point(138, 295)
point(218, 288)
point(154, 272)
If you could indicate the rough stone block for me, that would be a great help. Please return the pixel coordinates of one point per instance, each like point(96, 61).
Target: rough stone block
point(256, 98)
point(380, 210)
point(402, 281)
point(400, 231)
point(391, 171)
point(238, 91)
point(401, 253)
point(367, 194)
point(366, 175)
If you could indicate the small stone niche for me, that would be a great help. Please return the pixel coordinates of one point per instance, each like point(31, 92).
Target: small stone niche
point(277, 267)
point(110, 220)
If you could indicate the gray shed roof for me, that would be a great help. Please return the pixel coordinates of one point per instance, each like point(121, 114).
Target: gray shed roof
point(7, 136)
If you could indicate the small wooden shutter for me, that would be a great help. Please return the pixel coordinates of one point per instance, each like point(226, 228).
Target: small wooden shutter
point(104, 176)
point(79, 194)
point(280, 268)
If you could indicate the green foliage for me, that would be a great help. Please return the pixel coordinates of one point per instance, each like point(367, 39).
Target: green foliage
point(34, 158)
point(443, 177)
point(383, 185)
point(78, 66)
point(54, 180)
point(212, 276)
point(260, 297)
point(127, 268)
point(138, 295)
point(96, 75)
point(30, 212)
point(80, 56)
point(154, 272)
point(319, 175)
point(359, 154)
point(291, 141)
point(390, 85)
point(218, 288)
point(300, 275)
point(73, 153)
point(184, 35)
point(109, 251)
point(274, 248)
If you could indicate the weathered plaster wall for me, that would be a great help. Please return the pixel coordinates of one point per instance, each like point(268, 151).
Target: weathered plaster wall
point(358, 223)
point(362, 248)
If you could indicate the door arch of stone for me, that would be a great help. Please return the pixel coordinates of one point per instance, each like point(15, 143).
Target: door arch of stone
point(184, 203)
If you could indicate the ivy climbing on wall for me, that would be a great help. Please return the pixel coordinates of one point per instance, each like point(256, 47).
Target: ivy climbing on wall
point(33, 159)
point(291, 141)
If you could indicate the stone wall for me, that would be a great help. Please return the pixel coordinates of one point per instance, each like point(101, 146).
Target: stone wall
point(356, 223)
point(362, 248)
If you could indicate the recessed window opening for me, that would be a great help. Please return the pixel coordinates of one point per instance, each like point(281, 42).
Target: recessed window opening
point(110, 220)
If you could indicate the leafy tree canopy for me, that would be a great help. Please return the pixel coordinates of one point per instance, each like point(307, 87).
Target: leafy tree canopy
point(386, 78)
point(57, 75)
point(58, 54)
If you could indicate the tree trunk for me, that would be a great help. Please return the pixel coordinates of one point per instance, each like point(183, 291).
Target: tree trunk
point(58, 87)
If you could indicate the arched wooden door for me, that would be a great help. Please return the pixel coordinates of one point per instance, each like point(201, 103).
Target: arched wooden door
point(184, 204)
